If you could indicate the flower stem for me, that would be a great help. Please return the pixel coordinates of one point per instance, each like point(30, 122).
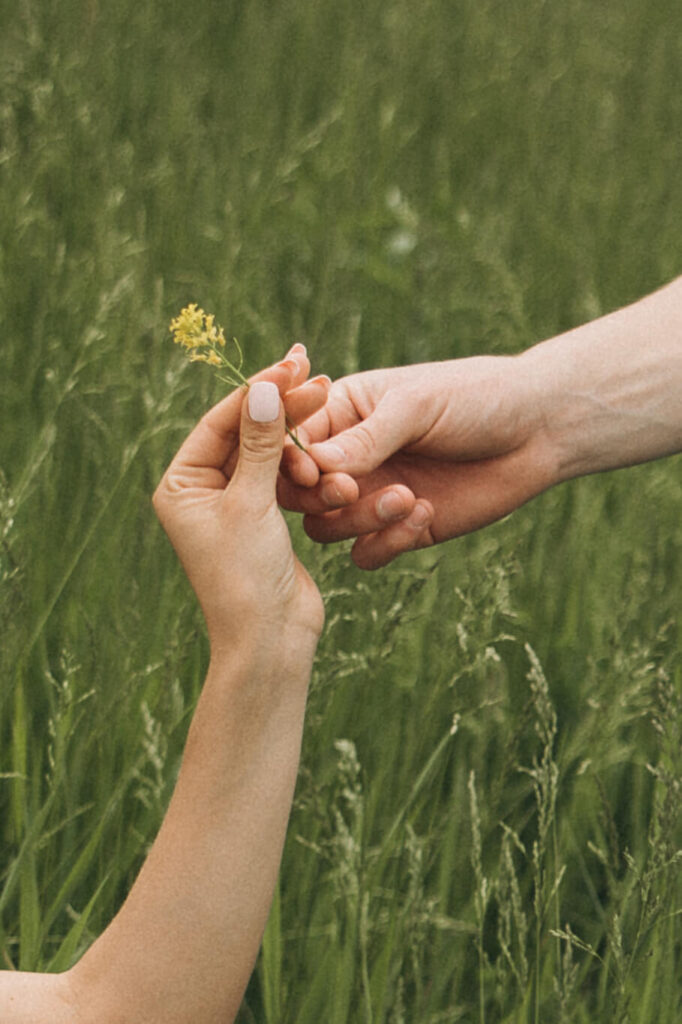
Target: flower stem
point(205, 343)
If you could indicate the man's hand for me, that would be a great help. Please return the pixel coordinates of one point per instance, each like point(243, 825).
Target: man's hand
point(415, 455)
point(419, 454)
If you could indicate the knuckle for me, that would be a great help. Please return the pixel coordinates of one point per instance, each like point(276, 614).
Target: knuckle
point(256, 449)
point(363, 440)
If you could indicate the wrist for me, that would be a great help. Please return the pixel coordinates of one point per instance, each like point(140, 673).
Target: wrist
point(276, 656)
point(578, 405)
point(558, 407)
point(608, 391)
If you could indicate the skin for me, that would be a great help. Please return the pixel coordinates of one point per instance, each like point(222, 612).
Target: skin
point(413, 456)
point(399, 459)
point(182, 947)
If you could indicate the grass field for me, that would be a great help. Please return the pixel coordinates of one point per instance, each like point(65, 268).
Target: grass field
point(488, 824)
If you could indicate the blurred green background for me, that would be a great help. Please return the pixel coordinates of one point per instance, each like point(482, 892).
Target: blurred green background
point(488, 816)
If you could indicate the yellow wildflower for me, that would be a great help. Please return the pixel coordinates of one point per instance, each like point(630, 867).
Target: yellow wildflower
point(188, 327)
point(196, 331)
point(215, 334)
point(204, 341)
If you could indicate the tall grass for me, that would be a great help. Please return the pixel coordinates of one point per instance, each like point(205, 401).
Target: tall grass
point(487, 823)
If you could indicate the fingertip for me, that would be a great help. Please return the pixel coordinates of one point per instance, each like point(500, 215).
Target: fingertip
point(304, 401)
point(281, 374)
point(313, 527)
point(298, 466)
point(287, 374)
point(376, 550)
point(328, 455)
point(261, 439)
point(368, 556)
point(298, 348)
point(395, 503)
point(290, 364)
point(421, 516)
point(338, 490)
point(299, 356)
point(263, 401)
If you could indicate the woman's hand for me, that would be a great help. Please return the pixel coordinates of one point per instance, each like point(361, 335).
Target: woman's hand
point(184, 943)
point(218, 505)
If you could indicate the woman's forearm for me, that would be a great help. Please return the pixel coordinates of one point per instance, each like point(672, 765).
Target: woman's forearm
point(611, 390)
point(183, 946)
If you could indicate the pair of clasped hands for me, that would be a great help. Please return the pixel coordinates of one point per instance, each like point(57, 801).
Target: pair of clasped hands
point(398, 458)
point(405, 457)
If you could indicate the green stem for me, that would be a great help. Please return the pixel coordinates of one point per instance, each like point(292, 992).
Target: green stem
point(239, 380)
point(294, 438)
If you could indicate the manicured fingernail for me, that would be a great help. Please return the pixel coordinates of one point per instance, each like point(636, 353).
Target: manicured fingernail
point(298, 347)
point(263, 401)
point(419, 517)
point(290, 364)
point(321, 378)
point(390, 506)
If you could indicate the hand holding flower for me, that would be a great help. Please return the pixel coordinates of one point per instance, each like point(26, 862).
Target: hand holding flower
point(218, 505)
point(205, 343)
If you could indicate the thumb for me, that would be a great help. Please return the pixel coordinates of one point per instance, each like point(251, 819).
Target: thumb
point(361, 449)
point(261, 440)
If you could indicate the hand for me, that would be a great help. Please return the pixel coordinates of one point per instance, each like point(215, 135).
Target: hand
point(415, 455)
point(218, 506)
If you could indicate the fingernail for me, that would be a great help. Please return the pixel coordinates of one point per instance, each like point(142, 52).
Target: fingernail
point(321, 378)
point(263, 401)
point(334, 453)
point(290, 364)
point(298, 347)
point(390, 506)
point(419, 517)
point(332, 496)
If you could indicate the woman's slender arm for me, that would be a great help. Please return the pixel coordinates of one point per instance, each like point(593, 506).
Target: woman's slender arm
point(182, 948)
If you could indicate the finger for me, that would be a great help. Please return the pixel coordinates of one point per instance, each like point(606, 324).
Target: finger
point(297, 465)
point(362, 448)
point(299, 354)
point(216, 436)
point(375, 550)
point(333, 490)
point(337, 414)
point(318, 426)
point(301, 402)
point(371, 513)
point(261, 440)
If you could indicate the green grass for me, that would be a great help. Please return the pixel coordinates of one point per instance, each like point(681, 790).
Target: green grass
point(487, 823)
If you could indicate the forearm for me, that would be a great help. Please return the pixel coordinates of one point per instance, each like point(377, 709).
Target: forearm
point(183, 946)
point(611, 390)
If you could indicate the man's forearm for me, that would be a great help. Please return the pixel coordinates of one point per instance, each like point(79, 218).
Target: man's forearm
point(611, 390)
point(182, 948)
